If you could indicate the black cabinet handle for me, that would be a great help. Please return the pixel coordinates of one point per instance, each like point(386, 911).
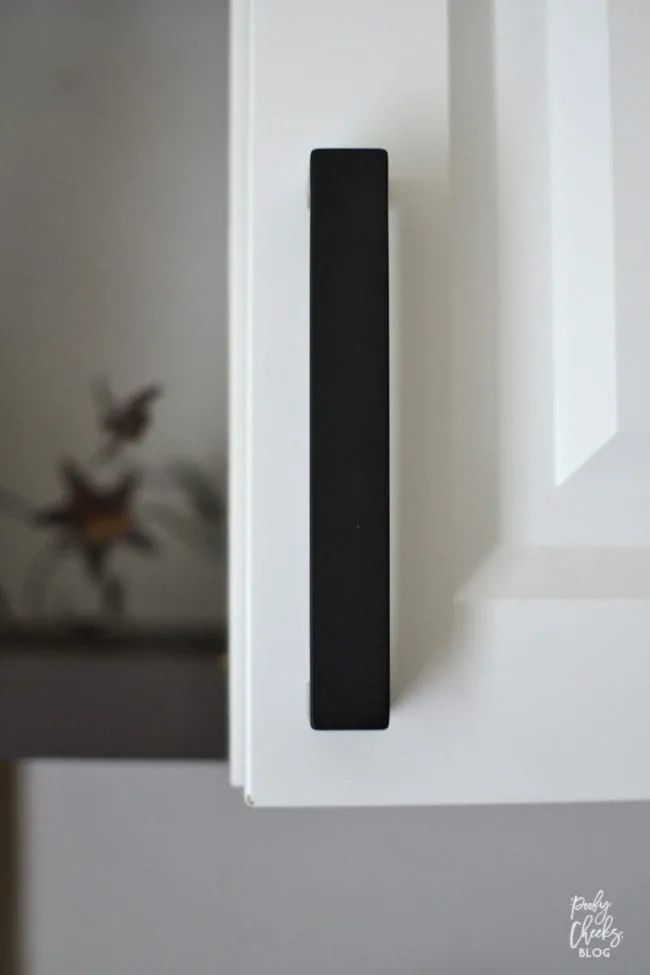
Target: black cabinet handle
point(349, 440)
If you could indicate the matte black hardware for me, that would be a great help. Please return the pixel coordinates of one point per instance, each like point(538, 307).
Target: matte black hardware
point(349, 440)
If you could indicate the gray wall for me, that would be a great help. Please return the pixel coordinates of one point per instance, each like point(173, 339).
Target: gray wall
point(143, 869)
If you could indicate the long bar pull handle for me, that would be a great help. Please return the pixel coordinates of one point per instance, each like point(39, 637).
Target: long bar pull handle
point(349, 439)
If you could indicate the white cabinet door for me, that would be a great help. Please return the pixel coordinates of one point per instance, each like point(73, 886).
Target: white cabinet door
point(518, 140)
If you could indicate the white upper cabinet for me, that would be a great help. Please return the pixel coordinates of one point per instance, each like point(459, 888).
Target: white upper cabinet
point(518, 138)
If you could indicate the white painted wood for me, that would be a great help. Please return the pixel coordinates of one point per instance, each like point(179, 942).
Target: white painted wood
point(522, 567)
point(582, 249)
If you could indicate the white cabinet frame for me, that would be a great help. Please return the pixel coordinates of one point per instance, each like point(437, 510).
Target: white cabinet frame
point(517, 563)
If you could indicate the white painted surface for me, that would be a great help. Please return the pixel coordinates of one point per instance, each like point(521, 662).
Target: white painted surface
point(392, 81)
point(497, 693)
point(582, 244)
point(630, 43)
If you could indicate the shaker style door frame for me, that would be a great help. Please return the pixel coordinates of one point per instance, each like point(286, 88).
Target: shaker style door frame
point(513, 575)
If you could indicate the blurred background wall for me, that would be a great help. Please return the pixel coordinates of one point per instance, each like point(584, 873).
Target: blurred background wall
point(113, 173)
point(113, 154)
